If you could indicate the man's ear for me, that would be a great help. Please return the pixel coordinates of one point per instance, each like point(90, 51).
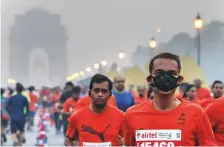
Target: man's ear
point(149, 79)
point(180, 79)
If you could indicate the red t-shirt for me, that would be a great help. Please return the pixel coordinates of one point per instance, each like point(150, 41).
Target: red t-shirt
point(203, 93)
point(139, 99)
point(186, 125)
point(69, 105)
point(204, 103)
point(33, 101)
point(215, 112)
point(55, 97)
point(96, 128)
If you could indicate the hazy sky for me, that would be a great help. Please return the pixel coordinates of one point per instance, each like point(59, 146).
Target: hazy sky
point(98, 29)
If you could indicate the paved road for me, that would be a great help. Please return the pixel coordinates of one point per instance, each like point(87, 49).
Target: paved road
point(53, 139)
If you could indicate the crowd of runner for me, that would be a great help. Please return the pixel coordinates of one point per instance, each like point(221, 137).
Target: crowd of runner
point(167, 112)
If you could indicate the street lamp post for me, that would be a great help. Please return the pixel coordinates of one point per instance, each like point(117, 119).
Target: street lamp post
point(121, 56)
point(198, 24)
point(153, 45)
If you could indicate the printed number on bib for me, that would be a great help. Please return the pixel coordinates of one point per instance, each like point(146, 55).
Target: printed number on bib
point(102, 144)
point(158, 138)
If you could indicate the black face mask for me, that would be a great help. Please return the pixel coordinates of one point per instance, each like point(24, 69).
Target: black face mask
point(165, 81)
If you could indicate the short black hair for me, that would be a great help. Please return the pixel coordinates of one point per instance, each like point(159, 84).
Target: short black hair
point(165, 55)
point(76, 89)
point(187, 89)
point(216, 82)
point(31, 88)
point(2, 91)
point(19, 88)
point(99, 78)
point(69, 84)
point(10, 90)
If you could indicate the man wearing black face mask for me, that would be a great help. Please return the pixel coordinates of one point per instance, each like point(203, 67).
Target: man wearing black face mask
point(185, 122)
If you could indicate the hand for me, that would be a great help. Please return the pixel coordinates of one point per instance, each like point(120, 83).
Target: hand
point(120, 140)
point(68, 142)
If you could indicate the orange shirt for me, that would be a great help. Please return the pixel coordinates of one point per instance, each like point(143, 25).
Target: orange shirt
point(196, 101)
point(33, 101)
point(139, 100)
point(215, 112)
point(86, 100)
point(96, 128)
point(55, 97)
point(69, 105)
point(204, 103)
point(186, 125)
point(203, 93)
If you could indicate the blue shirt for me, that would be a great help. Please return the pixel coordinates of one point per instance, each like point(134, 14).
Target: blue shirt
point(18, 107)
point(124, 100)
point(4, 101)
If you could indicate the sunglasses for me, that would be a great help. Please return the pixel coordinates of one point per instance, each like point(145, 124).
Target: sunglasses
point(98, 90)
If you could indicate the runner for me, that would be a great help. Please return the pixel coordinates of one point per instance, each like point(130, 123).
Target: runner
point(98, 124)
point(140, 96)
point(190, 94)
point(4, 117)
point(217, 91)
point(32, 107)
point(181, 90)
point(18, 107)
point(124, 98)
point(66, 94)
point(70, 104)
point(215, 113)
point(202, 93)
point(166, 120)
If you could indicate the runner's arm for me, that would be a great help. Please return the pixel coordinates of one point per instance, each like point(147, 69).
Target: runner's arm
point(70, 134)
point(68, 141)
point(205, 134)
point(66, 110)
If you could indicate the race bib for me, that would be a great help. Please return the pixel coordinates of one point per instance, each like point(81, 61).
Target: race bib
point(158, 138)
point(102, 144)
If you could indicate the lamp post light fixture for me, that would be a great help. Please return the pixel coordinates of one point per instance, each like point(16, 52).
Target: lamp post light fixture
point(81, 73)
point(121, 55)
point(152, 46)
point(96, 66)
point(88, 69)
point(104, 63)
point(198, 24)
point(152, 43)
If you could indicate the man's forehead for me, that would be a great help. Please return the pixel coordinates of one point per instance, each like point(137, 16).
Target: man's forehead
point(119, 78)
point(141, 87)
point(100, 85)
point(165, 64)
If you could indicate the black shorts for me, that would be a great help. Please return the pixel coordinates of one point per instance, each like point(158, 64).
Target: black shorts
point(17, 125)
point(5, 123)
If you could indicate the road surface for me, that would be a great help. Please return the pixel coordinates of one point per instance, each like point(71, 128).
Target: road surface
point(53, 139)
